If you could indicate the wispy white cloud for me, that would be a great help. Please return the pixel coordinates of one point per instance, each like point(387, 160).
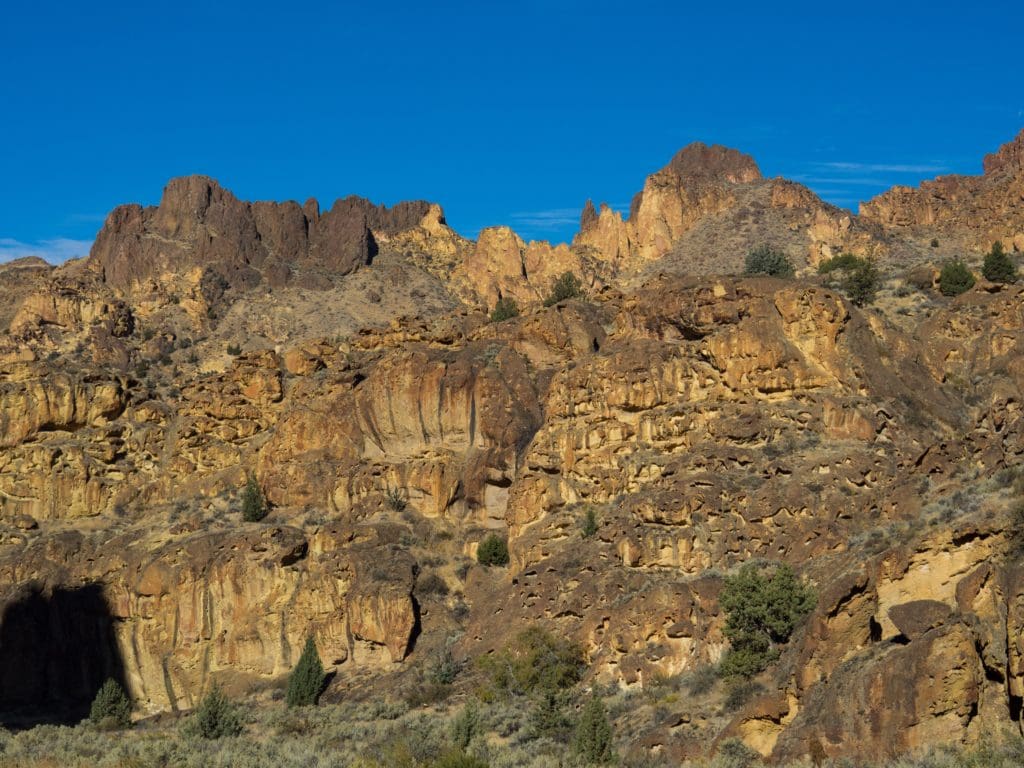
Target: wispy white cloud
point(554, 219)
point(551, 219)
point(884, 167)
point(620, 207)
point(864, 181)
point(54, 250)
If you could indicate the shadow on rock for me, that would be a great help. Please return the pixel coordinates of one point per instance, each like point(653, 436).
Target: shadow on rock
point(57, 647)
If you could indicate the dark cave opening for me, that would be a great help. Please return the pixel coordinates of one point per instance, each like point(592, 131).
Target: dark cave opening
point(1016, 704)
point(57, 647)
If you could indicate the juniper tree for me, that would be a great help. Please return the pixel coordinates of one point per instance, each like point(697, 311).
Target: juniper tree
point(307, 679)
point(762, 610)
point(593, 737)
point(567, 286)
point(493, 550)
point(215, 717)
point(254, 503)
point(955, 278)
point(111, 707)
point(998, 266)
point(504, 309)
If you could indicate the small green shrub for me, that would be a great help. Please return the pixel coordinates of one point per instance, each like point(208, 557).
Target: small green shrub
point(307, 679)
point(935, 242)
point(234, 349)
point(445, 668)
point(505, 309)
point(493, 550)
point(547, 719)
point(431, 584)
point(762, 610)
point(765, 260)
point(215, 717)
point(458, 759)
point(568, 286)
point(593, 737)
point(396, 499)
point(111, 708)
point(955, 278)
point(535, 660)
point(861, 283)
point(465, 726)
point(998, 266)
point(589, 525)
point(254, 503)
point(859, 277)
point(733, 753)
point(740, 692)
point(843, 261)
point(701, 680)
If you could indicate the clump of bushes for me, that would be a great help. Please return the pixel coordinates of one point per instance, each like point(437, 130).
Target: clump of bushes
point(765, 260)
point(955, 278)
point(458, 759)
point(762, 610)
point(998, 266)
point(234, 349)
point(431, 584)
point(568, 286)
point(493, 550)
point(215, 717)
point(740, 692)
point(701, 680)
point(505, 309)
point(859, 277)
point(535, 661)
point(111, 708)
point(548, 718)
point(465, 726)
point(254, 502)
point(306, 682)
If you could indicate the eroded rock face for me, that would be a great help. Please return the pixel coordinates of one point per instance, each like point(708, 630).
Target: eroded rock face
point(708, 207)
point(200, 224)
point(502, 264)
point(697, 182)
point(705, 421)
point(973, 210)
point(232, 604)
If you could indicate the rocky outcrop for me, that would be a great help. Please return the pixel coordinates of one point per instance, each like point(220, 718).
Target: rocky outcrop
point(199, 224)
point(974, 211)
point(19, 279)
point(710, 206)
point(697, 182)
point(236, 605)
point(502, 264)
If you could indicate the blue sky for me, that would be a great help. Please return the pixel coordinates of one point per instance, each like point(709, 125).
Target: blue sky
point(512, 113)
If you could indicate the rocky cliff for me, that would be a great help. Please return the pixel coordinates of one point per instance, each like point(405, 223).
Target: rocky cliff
point(199, 224)
point(702, 420)
point(972, 211)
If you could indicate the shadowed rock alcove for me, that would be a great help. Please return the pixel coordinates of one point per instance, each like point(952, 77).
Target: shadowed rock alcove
point(57, 647)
